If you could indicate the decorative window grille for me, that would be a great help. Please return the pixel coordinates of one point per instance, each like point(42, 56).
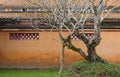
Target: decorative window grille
point(87, 35)
point(74, 37)
point(24, 36)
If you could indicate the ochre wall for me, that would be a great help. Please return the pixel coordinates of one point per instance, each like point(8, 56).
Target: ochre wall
point(46, 52)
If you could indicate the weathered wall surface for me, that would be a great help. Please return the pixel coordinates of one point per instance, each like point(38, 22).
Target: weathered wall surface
point(45, 52)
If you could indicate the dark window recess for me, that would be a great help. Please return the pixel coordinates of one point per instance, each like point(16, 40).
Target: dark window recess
point(87, 35)
point(24, 36)
point(24, 9)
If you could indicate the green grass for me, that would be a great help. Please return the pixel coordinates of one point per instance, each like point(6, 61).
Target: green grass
point(93, 69)
point(29, 73)
point(79, 69)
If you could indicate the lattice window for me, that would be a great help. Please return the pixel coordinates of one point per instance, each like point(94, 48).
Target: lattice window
point(16, 10)
point(74, 37)
point(24, 36)
point(32, 10)
point(2, 10)
point(88, 35)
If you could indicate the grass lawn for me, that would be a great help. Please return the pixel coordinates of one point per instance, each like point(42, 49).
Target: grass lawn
point(93, 69)
point(29, 73)
point(79, 69)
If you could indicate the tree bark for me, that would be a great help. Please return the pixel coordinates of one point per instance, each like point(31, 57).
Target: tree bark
point(92, 55)
point(91, 48)
point(62, 61)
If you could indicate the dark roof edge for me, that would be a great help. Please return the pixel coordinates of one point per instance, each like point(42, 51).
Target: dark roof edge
point(54, 30)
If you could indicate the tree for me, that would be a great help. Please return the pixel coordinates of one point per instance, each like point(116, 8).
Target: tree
point(72, 16)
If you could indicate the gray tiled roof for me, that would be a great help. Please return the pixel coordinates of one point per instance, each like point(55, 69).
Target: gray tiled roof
point(25, 3)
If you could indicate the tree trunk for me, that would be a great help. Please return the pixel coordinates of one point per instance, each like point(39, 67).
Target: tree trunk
point(92, 55)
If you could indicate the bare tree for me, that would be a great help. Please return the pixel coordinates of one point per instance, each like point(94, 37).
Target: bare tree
point(72, 15)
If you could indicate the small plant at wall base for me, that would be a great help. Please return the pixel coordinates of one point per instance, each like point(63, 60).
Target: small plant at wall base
point(72, 15)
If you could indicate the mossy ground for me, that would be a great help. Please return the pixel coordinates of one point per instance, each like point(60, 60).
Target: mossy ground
point(92, 69)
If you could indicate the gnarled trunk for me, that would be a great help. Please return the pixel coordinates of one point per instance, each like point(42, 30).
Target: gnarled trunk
point(92, 55)
point(91, 48)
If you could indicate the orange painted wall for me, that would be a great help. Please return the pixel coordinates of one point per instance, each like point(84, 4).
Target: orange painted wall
point(45, 52)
